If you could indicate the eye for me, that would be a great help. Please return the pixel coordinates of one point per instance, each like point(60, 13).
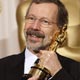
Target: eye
point(31, 18)
point(45, 21)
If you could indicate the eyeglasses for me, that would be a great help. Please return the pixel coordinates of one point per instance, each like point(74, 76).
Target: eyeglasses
point(43, 22)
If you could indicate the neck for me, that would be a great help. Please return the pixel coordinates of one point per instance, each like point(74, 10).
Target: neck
point(35, 53)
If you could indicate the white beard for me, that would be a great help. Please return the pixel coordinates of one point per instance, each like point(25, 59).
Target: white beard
point(40, 45)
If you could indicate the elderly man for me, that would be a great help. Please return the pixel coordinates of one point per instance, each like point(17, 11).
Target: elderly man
point(44, 20)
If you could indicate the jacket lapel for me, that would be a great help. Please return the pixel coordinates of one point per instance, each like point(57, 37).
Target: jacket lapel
point(17, 68)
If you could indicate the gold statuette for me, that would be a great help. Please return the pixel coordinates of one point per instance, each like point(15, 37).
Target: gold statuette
point(39, 70)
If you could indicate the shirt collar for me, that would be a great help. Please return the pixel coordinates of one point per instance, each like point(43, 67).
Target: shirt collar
point(29, 54)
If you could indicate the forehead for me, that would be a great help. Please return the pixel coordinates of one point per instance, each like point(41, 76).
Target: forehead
point(44, 9)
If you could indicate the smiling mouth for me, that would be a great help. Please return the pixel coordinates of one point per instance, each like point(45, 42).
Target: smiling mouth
point(34, 38)
point(35, 33)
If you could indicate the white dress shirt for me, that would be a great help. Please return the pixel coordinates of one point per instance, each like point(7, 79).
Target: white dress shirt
point(30, 58)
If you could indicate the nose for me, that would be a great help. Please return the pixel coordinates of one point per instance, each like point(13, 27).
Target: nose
point(36, 25)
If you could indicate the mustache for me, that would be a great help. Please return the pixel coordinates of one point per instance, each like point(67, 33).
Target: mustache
point(36, 33)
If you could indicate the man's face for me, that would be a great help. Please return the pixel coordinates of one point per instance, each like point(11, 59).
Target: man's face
point(41, 25)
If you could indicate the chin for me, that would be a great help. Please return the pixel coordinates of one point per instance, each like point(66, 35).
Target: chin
point(33, 45)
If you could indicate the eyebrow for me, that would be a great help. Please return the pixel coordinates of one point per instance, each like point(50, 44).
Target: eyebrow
point(31, 15)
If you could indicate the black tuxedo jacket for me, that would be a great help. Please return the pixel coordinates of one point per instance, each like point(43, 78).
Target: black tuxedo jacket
point(12, 68)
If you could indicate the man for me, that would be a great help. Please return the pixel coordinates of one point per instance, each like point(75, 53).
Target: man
point(44, 19)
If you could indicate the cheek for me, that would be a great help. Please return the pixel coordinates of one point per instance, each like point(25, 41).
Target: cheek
point(49, 33)
point(27, 26)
